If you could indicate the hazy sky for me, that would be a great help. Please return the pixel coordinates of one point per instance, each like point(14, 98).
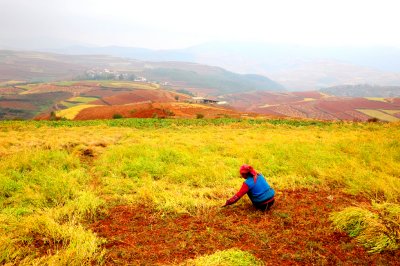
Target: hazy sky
point(181, 23)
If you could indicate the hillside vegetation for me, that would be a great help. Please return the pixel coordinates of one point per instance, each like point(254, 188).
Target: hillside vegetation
point(149, 191)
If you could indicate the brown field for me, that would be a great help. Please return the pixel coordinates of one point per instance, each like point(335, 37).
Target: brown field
point(307, 104)
point(17, 105)
point(396, 101)
point(10, 91)
point(294, 230)
point(150, 110)
point(295, 104)
point(313, 112)
point(104, 92)
point(142, 95)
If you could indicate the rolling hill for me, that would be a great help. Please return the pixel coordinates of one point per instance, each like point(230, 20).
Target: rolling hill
point(37, 66)
point(294, 66)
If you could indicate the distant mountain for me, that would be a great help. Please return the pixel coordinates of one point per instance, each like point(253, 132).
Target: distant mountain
point(363, 90)
point(295, 67)
point(128, 52)
point(39, 66)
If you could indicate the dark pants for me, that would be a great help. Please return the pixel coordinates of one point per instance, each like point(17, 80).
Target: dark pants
point(265, 205)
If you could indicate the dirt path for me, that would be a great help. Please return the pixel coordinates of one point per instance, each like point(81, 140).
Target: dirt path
point(295, 231)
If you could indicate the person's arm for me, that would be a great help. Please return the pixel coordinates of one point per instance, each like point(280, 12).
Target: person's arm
point(243, 190)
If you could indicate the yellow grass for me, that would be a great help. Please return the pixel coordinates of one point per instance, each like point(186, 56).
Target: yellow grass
point(379, 114)
point(11, 82)
point(70, 113)
point(378, 99)
point(230, 257)
point(308, 99)
point(391, 112)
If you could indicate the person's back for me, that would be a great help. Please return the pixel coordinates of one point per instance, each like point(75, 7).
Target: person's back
point(259, 191)
point(256, 187)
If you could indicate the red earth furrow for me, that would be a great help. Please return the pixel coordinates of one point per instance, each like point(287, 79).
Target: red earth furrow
point(296, 231)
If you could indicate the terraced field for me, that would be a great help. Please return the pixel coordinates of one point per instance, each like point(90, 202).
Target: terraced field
point(18, 101)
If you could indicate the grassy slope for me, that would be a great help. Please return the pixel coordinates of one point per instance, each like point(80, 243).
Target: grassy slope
point(57, 177)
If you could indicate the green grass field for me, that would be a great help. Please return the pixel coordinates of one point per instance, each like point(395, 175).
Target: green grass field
point(78, 101)
point(57, 178)
point(128, 84)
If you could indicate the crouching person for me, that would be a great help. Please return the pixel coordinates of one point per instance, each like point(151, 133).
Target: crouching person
point(256, 187)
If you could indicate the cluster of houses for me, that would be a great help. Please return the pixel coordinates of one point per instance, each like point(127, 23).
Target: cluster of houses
point(99, 74)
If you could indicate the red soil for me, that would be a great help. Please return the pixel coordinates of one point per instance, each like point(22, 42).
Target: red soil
point(9, 90)
point(17, 105)
point(104, 92)
point(343, 105)
point(287, 110)
point(396, 101)
point(149, 110)
point(260, 98)
point(43, 116)
point(292, 104)
point(295, 232)
point(143, 95)
point(313, 112)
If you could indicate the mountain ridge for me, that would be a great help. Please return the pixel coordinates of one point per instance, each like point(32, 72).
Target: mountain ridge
point(297, 67)
point(41, 66)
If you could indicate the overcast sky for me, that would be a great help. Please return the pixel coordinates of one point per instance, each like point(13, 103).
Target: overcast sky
point(165, 24)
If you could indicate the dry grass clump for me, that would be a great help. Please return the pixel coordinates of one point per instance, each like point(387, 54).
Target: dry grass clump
point(377, 228)
point(230, 257)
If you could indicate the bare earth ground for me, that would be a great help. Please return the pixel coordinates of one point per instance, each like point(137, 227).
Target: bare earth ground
point(296, 231)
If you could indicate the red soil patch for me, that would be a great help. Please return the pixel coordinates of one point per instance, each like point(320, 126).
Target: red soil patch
point(104, 92)
point(343, 105)
point(143, 95)
point(288, 110)
point(356, 115)
point(295, 231)
point(9, 90)
point(17, 105)
point(43, 116)
point(292, 104)
point(149, 110)
point(396, 101)
point(251, 100)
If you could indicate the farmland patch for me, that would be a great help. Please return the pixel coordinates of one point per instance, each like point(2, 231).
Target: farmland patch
point(379, 114)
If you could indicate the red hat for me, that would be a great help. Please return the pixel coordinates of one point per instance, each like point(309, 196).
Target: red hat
point(244, 169)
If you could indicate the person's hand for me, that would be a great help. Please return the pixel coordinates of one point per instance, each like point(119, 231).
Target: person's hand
point(227, 203)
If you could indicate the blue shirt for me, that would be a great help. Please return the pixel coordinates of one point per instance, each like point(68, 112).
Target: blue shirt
point(259, 191)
